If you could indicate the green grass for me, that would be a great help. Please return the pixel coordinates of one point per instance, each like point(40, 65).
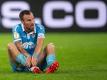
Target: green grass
point(82, 56)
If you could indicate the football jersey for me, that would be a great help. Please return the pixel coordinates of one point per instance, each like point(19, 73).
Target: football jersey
point(28, 40)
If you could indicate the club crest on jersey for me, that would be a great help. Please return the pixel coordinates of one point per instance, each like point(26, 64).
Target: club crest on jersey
point(16, 35)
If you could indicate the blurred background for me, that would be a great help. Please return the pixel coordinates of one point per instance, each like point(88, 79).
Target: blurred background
point(57, 15)
point(78, 28)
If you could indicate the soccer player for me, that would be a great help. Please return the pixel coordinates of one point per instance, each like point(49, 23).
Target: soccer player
point(25, 52)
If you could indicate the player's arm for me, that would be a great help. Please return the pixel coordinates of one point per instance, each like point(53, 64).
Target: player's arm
point(24, 52)
point(39, 45)
point(37, 51)
point(40, 40)
point(19, 47)
point(18, 40)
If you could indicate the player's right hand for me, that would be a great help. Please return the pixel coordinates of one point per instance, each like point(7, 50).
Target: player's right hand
point(28, 61)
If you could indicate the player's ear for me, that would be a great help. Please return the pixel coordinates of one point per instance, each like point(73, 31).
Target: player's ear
point(22, 21)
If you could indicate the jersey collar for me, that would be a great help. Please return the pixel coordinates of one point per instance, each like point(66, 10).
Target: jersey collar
point(30, 32)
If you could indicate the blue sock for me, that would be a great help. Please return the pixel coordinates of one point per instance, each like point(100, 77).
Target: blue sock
point(13, 66)
point(50, 59)
point(20, 58)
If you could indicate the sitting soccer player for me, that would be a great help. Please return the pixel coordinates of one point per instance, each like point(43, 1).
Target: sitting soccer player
point(25, 53)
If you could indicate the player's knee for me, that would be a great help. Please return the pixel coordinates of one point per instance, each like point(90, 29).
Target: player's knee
point(10, 45)
point(50, 48)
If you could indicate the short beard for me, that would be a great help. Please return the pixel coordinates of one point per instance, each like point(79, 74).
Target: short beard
point(28, 30)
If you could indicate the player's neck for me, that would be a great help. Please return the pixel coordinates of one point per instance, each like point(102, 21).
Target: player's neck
point(29, 30)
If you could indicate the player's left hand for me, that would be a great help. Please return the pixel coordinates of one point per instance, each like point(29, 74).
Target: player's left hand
point(34, 61)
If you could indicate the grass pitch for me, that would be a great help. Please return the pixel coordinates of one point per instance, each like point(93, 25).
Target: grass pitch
point(82, 56)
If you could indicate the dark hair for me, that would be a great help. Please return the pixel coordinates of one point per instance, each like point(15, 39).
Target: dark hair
point(22, 13)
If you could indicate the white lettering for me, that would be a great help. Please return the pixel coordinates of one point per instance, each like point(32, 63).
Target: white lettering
point(10, 10)
point(51, 22)
point(91, 23)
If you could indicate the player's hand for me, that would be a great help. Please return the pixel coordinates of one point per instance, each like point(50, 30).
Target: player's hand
point(34, 61)
point(28, 61)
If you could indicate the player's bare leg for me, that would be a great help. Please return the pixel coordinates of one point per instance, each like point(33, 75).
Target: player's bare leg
point(51, 61)
point(12, 52)
point(49, 49)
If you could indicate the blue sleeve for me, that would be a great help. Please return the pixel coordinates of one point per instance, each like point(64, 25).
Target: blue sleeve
point(16, 33)
point(41, 31)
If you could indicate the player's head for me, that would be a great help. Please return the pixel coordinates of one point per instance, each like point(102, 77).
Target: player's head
point(27, 18)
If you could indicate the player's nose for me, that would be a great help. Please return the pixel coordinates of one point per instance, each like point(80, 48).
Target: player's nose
point(32, 23)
